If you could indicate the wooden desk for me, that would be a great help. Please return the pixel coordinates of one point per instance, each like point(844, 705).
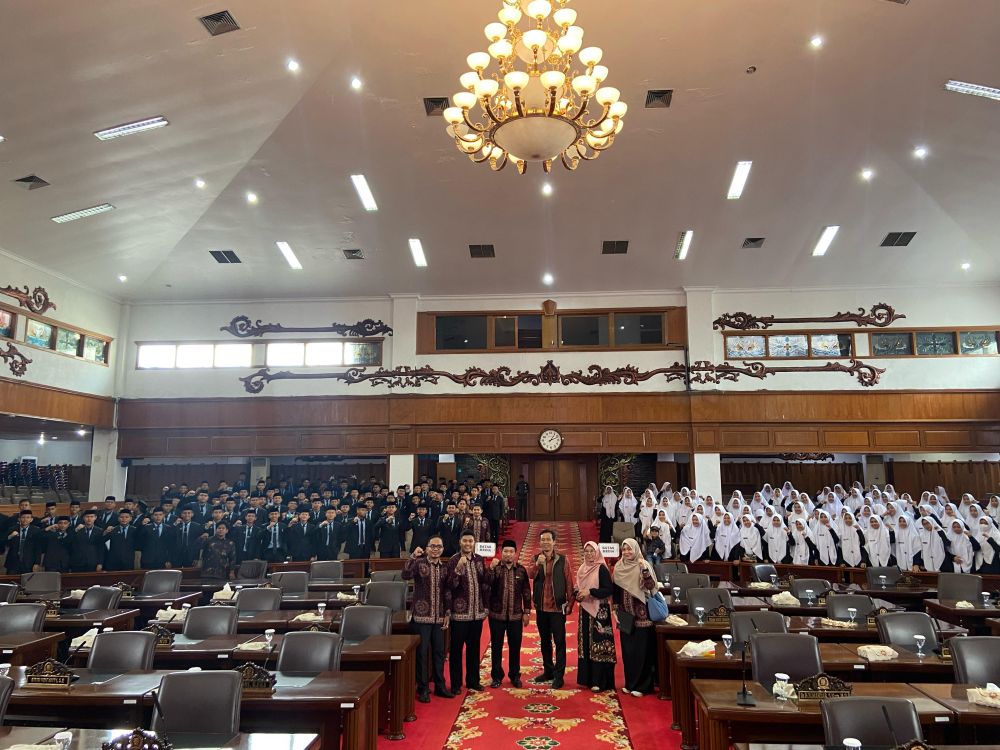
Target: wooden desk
point(10, 736)
point(909, 597)
point(282, 621)
point(979, 724)
point(740, 604)
point(88, 739)
point(75, 621)
point(720, 720)
point(974, 619)
point(993, 623)
point(19, 649)
point(208, 653)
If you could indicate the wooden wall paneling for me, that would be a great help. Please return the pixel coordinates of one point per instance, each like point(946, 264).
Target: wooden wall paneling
point(44, 402)
point(979, 478)
point(542, 500)
point(677, 332)
point(667, 441)
point(806, 477)
point(896, 439)
point(666, 471)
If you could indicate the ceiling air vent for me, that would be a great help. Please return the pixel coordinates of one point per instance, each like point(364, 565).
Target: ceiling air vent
point(354, 253)
point(219, 23)
point(225, 256)
point(900, 2)
point(751, 243)
point(614, 247)
point(898, 239)
point(482, 251)
point(31, 182)
point(659, 98)
point(435, 106)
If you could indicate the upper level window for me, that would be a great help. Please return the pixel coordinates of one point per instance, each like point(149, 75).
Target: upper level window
point(583, 330)
point(195, 355)
point(461, 332)
point(274, 354)
point(934, 343)
point(638, 328)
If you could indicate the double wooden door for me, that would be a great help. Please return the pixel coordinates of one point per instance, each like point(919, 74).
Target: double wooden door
point(559, 490)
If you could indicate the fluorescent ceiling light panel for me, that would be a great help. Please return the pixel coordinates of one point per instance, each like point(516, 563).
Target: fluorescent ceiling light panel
point(739, 180)
point(961, 87)
point(139, 126)
point(286, 250)
point(825, 240)
point(417, 251)
point(83, 213)
point(364, 192)
point(683, 244)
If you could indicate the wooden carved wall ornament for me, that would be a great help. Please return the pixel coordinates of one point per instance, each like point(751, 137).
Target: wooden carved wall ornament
point(16, 361)
point(242, 327)
point(703, 372)
point(880, 316)
point(36, 300)
point(806, 456)
point(500, 377)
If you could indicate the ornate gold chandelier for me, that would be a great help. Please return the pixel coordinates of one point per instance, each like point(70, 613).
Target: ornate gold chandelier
point(545, 111)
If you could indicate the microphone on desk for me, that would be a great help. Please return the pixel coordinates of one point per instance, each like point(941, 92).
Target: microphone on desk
point(72, 656)
point(744, 697)
point(888, 723)
point(940, 638)
point(157, 707)
point(270, 651)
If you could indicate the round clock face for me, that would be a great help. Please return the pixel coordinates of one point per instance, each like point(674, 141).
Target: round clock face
point(550, 441)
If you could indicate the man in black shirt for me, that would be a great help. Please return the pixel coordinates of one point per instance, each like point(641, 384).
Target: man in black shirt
point(58, 545)
point(122, 542)
point(88, 546)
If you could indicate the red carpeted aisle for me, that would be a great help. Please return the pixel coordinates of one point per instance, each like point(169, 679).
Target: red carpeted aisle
point(539, 718)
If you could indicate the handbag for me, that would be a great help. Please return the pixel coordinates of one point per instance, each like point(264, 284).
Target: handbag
point(656, 605)
point(626, 622)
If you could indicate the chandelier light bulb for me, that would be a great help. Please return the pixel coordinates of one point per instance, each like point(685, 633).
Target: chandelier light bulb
point(564, 17)
point(453, 115)
point(468, 80)
point(608, 95)
point(516, 80)
point(575, 31)
point(501, 49)
point(509, 15)
point(539, 9)
point(478, 60)
point(618, 109)
point(486, 88)
point(584, 85)
point(495, 31)
point(534, 39)
point(569, 45)
point(600, 73)
point(553, 79)
point(591, 55)
point(464, 99)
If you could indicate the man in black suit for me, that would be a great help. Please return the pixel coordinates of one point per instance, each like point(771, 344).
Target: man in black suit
point(327, 539)
point(359, 535)
point(157, 542)
point(75, 516)
point(273, 542)
point(122, 542)
point(24, 544)
point(299, 536)
point(88, 546)
point(189, 539)
point(449, 527)
point(422, 528)
point(202, 508)
point(108, 516)
point(247, 537)
point(389, 532)
point(58, 545)
point(493, 510)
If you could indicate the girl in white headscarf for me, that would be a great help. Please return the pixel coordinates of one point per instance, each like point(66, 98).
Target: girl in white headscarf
point(727, 540)
point(932, 544)
point(736, 502)
point(907, 542)
point(807, 502)
point(647, 511)
point(965, 505)
point(972, 517)
point(751, 538)
point(799, 513)
point(855, 500)
point(988, 536)
point(993, 509)
point(776, 540)
point(852, 543)
point(786, 490)
point(609, 501)
point(684, 514)
point(627, 506)
point(826, 540)
point(890, 492)
point(768, 493)
point(803, 547)
point(963, 546)
point(666, 490)
point(950, 514)
point(878, 543)
point(757, 503)
point(694, 539)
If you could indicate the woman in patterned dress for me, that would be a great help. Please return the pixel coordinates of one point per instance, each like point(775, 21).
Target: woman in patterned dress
point(595, 636)
point(634, 581)
point(218, 557)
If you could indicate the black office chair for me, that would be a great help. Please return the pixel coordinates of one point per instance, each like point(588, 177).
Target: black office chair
point(100, 597)
point(258, 600)
point(204, 622)
point(762, 572)
point(326, 570)
point(956, 587)
point(386, 575)
point(161, 581)
point(685, 581)
point(22, 618)
point(291, 581)
point(6, 688)
point(864, 719)
point(391, 594)
point(745, 624)
point(976, 659)
point(838, 604)
point(361, 621)
point(42, 582)
point(898, 629)
point(799, 586)
point(8, 592)
point(666, 569)
point(199, 703)
point(709, 598)
point(873, 576)
point(252, 570)
point(795, 654)
point(310, 652)
point(122, 651)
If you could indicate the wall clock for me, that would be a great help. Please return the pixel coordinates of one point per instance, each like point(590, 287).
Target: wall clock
point(550, 441)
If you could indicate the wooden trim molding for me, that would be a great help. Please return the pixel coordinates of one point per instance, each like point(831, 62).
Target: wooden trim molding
point(47, 402)
point(707, 373)
point(37, 300)
point(243, 328)
point(806, 456)
point(16, 361)
point(880, 316)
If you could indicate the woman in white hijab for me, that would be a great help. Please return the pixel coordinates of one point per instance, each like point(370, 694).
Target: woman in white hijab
point(878, 543)
point(608, 502)
point(799, 513)
point(803, 547)
point(965, 505)
point(932, 545)
point(768, 493)
point(907, 542)
point(776, 541)
point(826, 540)
point(727, 540)
point(694, 539)
point(685, 512)
point(963, 547)
point(988, 536)
point(855, 500)
point(647, 511)
point(627, 506)
point(736, 502)
point(666, 491)
point(757, 503)
point(993, 509)
point(751, 538)
point(852, 543)
point(786, 490)
point(972, 517)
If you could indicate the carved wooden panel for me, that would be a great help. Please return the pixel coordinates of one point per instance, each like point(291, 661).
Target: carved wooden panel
point(34, 400)
point(947, 438)
point(189, 446)
point(581, 439)
point(476, 441)
point(435, 441)
point(376, 441)
point(276, 444)
point(706, 440)
point(321, 442)
point(234, 445)
point(513, 440)
point(669, 440)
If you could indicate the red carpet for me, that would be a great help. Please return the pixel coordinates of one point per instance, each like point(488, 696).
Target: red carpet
point(539, 718)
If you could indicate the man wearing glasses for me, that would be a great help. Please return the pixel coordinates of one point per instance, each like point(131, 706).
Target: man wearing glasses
point(431, 603)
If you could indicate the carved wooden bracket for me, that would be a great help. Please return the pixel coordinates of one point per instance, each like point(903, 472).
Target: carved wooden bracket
point(242, 327)
point(806, 456)
point(703, 372)
point(37, 300)
point(15, 360)
point(880, 316)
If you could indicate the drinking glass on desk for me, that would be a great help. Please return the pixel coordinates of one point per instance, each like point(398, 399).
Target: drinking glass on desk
point(920, 640)
point(727, 641)
point(63, 740)
point(185, 606)
point(269, 636)
point(700, 611)
point(677, 593)
point(852, 612)
point(774, 580)
point(851, 744)
point(986, 599)
point(4, 669)
point(781, 682)
point(809, 596)
point(321, 608)
point(357, 592)
point(882, 580)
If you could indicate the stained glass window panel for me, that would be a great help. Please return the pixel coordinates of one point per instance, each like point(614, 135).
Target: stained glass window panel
point(892, 344)
point(6, 324)
point(744, 347)
point(357, 353)
point(788, 346)
point(95, 350)
point(930, 343)
point(979, 342)
point(831, 344)
point(68, 342)
point(38, 334)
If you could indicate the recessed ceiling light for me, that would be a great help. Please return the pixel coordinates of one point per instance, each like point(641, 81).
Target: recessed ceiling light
point(286, 250)
point(960, 87)
point(867, 174)
point(2, 139)
point(199, 183)
point(966, 266)
point(683, 244)
point(825, 240)
point(739, 180)
point(547, 188)
point(920, 152)
point(417, 251)
point(123, 278)
point(364, 192)
point(356, 83)
point(816, 41)
point(81, 432)
point(41, 439)
point(292, 66)
point(130, 128)
point(252, 198)
point(83, 213)
point(548, 279)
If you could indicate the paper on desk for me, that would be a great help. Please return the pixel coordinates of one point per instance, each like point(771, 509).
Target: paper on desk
point(77, 593)
point(784, 598)
point(224, 594)
point(87, 639)
point(987, 696)
point(253, 646)
point(170, 614)
point(877, 653)
point(345, 597)
point(675, 620)
point(760, 585)
point(964, 605)
point(831, 623)
point(698, 649)
point(307, 617)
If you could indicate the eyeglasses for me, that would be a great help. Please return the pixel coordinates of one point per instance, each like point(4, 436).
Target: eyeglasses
point(435, 546)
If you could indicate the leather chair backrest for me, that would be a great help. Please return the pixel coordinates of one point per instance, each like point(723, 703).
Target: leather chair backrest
point(956, 587)
point(362, 620)
point(666, 569)
point(898, 629)
point(8, 592)
point(122, 651)
point(6, 688)
point(863, 719)
point(391, 594)
point(327, 570)
point(161, 581)
point(795, 654)
point(199, 702)
point(291, 581)
point(762, 572)
point(387, 575)
point(310, 652)
point(622, 530)
point(252, 570)
point(892, 575)
point(100, 597)
point(41, 582)
point(976, 659)
point(258, 600)
point(709, 598)
point(799, 586)
point(685, 581)
point(745, 624)
point(838, 604)
point(22, 618)
point(204, 622)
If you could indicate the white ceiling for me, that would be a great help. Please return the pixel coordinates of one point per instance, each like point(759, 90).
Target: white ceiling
point(809, 119)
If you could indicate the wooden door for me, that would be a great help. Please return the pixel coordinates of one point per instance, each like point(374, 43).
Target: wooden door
point(559, 490)
point(567, 490)
point(542, 502)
